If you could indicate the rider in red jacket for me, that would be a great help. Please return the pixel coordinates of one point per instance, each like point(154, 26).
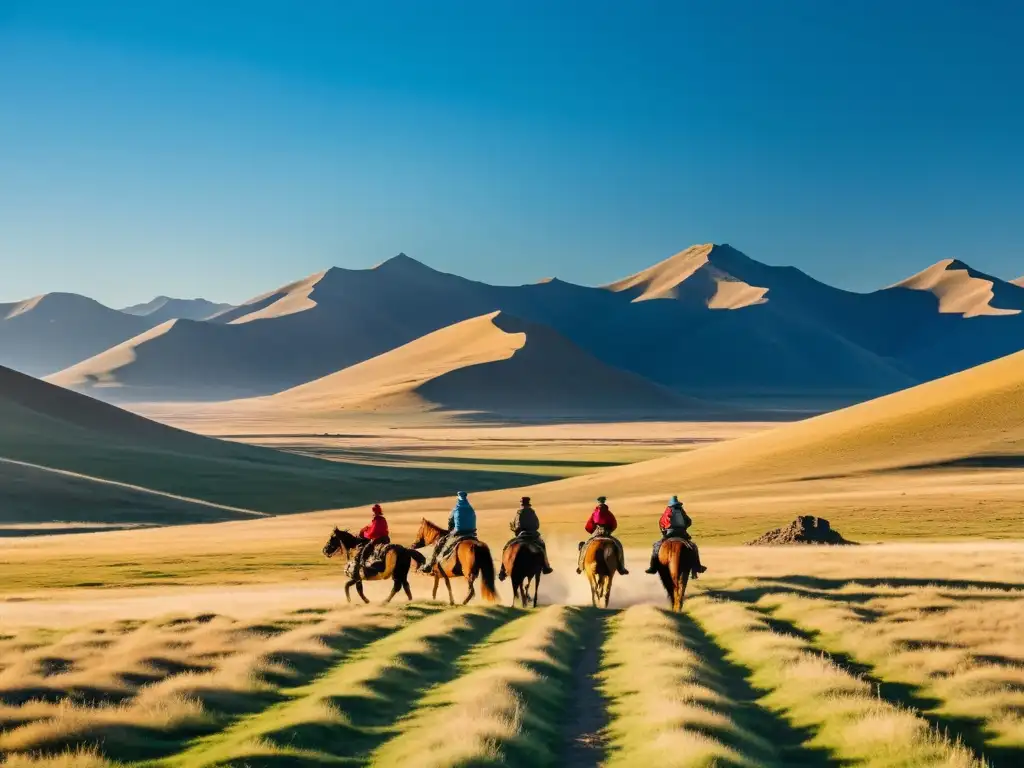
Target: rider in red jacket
point(603, 523)
point(375, 535)
point(378, 527)
point(602, 516)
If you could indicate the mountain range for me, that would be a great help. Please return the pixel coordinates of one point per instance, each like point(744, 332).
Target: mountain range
point(165, 308)
point(708, 324)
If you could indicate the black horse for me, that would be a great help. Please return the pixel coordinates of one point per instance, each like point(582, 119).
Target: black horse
point(398, 562)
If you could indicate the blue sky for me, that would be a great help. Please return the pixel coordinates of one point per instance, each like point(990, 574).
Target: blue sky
point(224, 148)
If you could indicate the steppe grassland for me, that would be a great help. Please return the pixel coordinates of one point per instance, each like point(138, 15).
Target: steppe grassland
point(798, 657)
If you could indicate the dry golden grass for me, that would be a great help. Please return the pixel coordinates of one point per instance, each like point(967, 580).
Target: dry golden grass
point(503, 710)
point(811, 691)
point(961, 648)
point(667, 705)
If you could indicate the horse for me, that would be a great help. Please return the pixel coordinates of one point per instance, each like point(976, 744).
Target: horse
point(471, 559)
point(600, 564)
point(676, 561)
point(524, 563)
point(397, 564)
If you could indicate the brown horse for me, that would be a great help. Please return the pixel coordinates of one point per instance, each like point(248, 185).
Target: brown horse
point(523, 563)
point(600, 560)
point(676, 561)
point(470, 559)
point(397, 564)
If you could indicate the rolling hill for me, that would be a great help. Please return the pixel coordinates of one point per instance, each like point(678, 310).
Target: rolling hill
point(971, 418)
point(64, 456)
point(492, 365)
point(164, 308)
point(48, 333)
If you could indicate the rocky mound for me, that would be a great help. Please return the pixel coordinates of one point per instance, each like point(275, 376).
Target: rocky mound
point(803, 530)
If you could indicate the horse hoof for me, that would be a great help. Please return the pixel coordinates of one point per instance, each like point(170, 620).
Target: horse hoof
point(548, 571)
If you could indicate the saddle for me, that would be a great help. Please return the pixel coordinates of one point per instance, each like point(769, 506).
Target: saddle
point(373, 563)
point(453, 541)
point(530, 539)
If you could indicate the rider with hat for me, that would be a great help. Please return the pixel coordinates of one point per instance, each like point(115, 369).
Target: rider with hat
point(675, 524)
point(374, 535)
point(602, 523)
point(461, 524)
point(526, 525)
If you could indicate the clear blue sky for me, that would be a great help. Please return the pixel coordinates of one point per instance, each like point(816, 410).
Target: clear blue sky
point(224, 148)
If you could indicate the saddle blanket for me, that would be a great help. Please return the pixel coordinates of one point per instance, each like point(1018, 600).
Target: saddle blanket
point(453, 541)
point(528, 538)
point(374, 562)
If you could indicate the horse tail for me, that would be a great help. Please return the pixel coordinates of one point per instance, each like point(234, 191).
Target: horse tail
point(486, 564)
point(414, 555)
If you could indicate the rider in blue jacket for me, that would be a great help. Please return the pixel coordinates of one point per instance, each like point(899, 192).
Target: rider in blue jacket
point(461, 522)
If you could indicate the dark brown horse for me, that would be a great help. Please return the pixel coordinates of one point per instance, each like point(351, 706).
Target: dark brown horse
point(397, 564)
point(600, 563)
point(676, 561)
point(524, 562)
point(470, 559)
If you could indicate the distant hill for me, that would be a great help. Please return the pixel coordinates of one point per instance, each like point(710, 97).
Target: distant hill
point(708, 322)
point(51, 332)
point(64, 456)
point(164, 308)
point(494, 365)
point(972, 417)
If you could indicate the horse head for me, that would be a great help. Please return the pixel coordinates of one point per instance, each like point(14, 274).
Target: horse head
point(428, 533)
point(335, 543)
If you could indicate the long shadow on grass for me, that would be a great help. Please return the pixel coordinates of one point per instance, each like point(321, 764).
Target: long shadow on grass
point(816, 582)
point(368, 716)
point(132, 742)
point(788, 741)
point(970, 731)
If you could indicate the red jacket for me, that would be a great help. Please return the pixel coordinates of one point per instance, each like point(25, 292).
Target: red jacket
point(602, 516)
point(377, 529)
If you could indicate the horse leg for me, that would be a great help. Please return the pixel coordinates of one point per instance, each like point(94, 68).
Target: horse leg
point(472, 589)
point(437, 581)
point(347, 588)
point(536, 588)
point(448, 583)
point(394, 591)
point(594, 588)
point(684, 579)
point(408, 590)
point(359, 589)
point(608, 589)
point(516, 590)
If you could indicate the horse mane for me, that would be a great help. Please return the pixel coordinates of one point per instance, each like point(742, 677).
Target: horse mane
point(427, 524)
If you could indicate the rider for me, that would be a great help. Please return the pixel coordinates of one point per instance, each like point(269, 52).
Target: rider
point(603, 523)
point(373, 536)
point(675, 524)
point(526, 525)
point(461, 523)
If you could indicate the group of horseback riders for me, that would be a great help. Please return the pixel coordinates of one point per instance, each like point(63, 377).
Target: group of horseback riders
point(674, 524)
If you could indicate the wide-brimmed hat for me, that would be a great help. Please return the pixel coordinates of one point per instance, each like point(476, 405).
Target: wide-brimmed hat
point(525, 500)
point(461, 494)
point(602, 499)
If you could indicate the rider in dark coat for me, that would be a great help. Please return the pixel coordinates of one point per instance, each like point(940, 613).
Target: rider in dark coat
point(526, 525)
point(675, 524)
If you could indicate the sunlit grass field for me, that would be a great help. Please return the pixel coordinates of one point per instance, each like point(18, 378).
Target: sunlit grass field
point(855, 661)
